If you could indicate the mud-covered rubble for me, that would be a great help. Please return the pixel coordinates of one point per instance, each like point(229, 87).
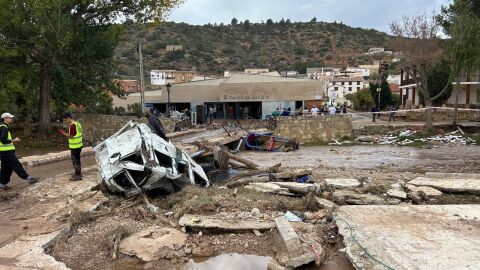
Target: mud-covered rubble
point(413, 136)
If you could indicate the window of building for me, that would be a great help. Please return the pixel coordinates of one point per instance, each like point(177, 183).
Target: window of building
point(350, 89)
point(336, 88)
point(343, 83)
point(349, 83)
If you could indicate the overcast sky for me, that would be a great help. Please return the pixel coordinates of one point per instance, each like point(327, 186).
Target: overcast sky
point(375, 14)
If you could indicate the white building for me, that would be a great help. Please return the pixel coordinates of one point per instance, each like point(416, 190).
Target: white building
point(358, 72)
point(317, 73)
point(338, 88)
point(160, 77)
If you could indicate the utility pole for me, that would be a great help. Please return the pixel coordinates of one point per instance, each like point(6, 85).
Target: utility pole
point(142, 77)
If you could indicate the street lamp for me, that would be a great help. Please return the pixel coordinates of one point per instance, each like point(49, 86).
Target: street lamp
point(378, 91)
point(169, 86)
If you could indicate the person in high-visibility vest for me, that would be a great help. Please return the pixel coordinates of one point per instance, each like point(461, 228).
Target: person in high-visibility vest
point(9, 161)
point(75, 144)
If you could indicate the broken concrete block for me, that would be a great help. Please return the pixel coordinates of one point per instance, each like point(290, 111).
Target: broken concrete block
point(269, 188)
point(301, 188)
point(448, 185)
point(411, 236)
point(427, 191)
point(397, 193)
point(326, 204)
point(342, 183)
point(289, 237)
point(353, 197)
point(452, 175)
point(147, 244)
point(224, 222)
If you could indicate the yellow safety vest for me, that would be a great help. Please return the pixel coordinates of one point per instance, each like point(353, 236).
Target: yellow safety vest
point(77, 141)
point(7, 147)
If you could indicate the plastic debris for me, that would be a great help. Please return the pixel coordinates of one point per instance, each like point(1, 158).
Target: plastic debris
point(292, 217)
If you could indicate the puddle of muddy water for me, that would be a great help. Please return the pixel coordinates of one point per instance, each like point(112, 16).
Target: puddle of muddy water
point(232, 261)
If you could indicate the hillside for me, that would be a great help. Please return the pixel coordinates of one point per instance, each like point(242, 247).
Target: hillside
point(277, 46)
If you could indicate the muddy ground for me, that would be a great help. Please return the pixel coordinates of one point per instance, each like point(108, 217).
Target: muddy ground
point(90, 243)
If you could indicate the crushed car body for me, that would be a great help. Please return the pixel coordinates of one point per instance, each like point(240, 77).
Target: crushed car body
point(137, 159)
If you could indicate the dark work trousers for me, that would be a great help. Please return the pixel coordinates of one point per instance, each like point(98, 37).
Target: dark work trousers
point(10, 163)
point(75, 154)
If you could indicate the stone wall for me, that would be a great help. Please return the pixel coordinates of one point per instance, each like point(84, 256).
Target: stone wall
point(315, 129)
point(98, 127)
point(444, 115)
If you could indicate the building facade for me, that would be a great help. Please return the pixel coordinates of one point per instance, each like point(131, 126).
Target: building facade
point(162, 77)
point(254, 95)
point(468, 90)
point(339, 88)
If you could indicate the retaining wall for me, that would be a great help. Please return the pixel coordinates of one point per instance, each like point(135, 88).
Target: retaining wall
point(315, 129)
point(98, 127)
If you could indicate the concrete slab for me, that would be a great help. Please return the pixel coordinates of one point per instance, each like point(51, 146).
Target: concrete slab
point(452, 175)
point(397, 193)
point(428, 191)
point(269, 188)
point(224, 222)
point(326, 204)
point(301, 188)
point(289, 237)
point(342, 183)
point(412, 236)
point(353, 197)
point(448, 185)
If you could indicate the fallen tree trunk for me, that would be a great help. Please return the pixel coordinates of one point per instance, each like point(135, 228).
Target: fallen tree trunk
point(248, 163)
point(272, 169)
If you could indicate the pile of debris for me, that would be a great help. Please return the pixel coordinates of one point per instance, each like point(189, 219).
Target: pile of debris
point(406, 138)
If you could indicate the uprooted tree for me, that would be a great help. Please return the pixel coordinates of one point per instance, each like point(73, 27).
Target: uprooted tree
point(67, 46)
point(417, 38)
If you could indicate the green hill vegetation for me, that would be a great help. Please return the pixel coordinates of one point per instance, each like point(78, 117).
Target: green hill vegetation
point(211, 49)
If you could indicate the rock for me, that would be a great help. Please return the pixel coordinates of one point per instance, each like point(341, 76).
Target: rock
point(342, 183)
point(353, 197)
point(148, 243)
point(396, 193)
point(256, 212)
point(167, 214)
point(317, 215)
point(301, 188)
point(246, 245)
point(223, 221)
point(183, 229)
point(448, 185)
point(326, 204)
point(188, 250)
point(200, 233)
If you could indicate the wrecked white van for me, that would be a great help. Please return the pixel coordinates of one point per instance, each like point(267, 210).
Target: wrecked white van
point(137, 159)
